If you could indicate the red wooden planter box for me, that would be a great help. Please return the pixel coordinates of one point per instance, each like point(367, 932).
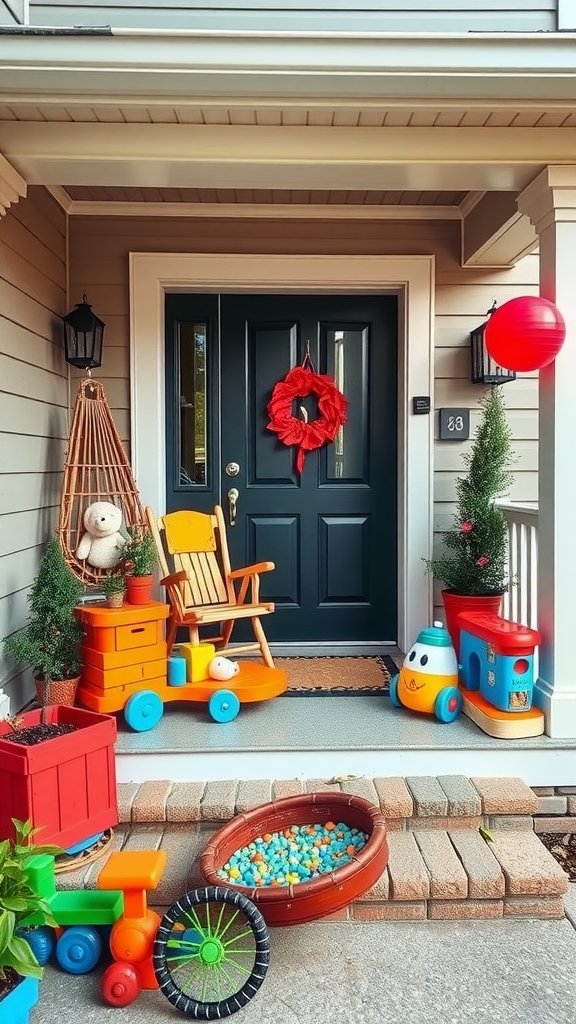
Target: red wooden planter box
point(65, 785)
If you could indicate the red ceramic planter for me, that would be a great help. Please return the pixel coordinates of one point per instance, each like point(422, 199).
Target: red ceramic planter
point(305, 901)
point(65, 785)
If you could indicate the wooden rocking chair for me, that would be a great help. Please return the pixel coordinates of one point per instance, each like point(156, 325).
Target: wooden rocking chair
point(200, 584)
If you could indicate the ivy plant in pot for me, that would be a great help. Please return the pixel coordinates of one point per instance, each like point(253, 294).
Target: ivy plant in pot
point(50, 642)
point(20, 908)
point(138, 561)
point(474, 569)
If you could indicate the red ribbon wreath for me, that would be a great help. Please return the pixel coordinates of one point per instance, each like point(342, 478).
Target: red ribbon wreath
point(298, 383)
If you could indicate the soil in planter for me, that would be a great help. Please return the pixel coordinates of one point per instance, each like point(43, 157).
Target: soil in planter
point(34, 734)
point(9, 981)
point(563, 849)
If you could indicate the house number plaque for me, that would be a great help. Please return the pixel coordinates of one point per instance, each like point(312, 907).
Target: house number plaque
point(454, 424)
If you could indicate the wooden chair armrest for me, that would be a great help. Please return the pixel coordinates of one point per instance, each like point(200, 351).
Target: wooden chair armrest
point(175, 577)
point(251, 570)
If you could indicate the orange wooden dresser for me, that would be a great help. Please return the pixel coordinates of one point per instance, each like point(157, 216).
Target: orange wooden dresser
point(124, 651)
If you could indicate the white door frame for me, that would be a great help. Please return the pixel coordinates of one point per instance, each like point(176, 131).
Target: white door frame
point(410, 277)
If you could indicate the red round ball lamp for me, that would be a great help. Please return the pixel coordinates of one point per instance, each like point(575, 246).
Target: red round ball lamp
point(525, 333)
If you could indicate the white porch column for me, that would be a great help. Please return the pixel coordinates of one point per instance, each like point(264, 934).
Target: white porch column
point(12, 186)
point(550, 203)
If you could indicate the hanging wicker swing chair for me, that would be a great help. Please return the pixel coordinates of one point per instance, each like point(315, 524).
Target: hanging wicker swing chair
point(96, 469)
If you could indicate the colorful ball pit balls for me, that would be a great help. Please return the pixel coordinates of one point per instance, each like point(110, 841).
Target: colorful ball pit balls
point(296, 854)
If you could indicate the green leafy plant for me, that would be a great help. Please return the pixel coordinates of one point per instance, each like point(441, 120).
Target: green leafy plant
point(139, 552)
point(20, 906)
point(478, 543)
point(50, 642)
point(113, 584)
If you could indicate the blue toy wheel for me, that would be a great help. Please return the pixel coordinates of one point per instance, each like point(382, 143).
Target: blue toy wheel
point(393, 691)
point(448, 704)
point(79, 949)
point(223, 706)
point(42, 941)
point(143, 710)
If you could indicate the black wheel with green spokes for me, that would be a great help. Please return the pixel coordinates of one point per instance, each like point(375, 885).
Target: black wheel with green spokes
point(211, 953)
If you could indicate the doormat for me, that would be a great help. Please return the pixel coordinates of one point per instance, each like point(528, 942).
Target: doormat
point(318, 677)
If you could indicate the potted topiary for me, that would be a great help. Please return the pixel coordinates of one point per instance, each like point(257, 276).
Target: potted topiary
point(138, 561)
point(475, 571)
point(20, 907)
point(114, 588)
point(50, 642)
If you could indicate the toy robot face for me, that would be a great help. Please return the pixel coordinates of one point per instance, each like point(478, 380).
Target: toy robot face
point(421, 658)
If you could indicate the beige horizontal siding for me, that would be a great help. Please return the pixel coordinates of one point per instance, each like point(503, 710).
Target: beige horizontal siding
point(99, 249)
point(33, 404)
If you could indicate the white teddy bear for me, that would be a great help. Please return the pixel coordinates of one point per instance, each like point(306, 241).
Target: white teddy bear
point(102, 543)
point(223, 668)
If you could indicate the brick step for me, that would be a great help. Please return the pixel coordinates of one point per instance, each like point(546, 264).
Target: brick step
point(440, 864)
point(432, 874)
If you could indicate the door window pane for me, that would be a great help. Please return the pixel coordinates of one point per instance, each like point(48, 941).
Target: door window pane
point(347, 362)
point(193, 440)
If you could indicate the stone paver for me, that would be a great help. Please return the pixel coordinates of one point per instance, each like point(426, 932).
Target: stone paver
point(510, 822)
point(485, 878)
point(552, 804)
point(463, 799)
point(126, 794)
point(321, 786)
point(183, 803)
point(551, 907)
point(252, 793)
point(150, 801)
point(405, 911)
point(456, 910)
point(409, 879)
point(379, 891)
point(529, 869)
point(430, 800)
point(543, 790)
point(448, 880)
point(565, 824)
point(219, 800)
point(568, 790)
point(182, 844)
point(145, 837)
point(395, 797)
point(572, 805)
point(444, 824)
point(287, 787)
point(362, 787)
point(505, 796)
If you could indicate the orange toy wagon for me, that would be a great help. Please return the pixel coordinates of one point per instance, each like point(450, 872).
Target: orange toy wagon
point(126, 669)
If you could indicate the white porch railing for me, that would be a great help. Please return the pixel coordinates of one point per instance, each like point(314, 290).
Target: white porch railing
point(521, 600)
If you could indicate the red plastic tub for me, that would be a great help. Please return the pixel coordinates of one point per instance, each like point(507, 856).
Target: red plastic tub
point(305, 901)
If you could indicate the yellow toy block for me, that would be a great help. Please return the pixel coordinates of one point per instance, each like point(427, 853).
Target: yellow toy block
point(198, 657)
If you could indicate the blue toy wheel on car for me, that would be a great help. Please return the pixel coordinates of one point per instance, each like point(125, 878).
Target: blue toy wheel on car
point(448, 704)
point(393, 691)
point(41, 940)
point(79, 949)
point(223, 706)
point(143, 710)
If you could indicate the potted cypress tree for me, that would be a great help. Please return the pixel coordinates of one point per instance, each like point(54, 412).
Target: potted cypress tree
point(474, 569)
point(57, 763)
point(50, 642)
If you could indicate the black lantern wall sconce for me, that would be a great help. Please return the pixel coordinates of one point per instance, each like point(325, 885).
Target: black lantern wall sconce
point(483, 369)
point(83, 337)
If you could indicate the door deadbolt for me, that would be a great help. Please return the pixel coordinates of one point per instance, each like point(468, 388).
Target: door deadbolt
point(232, 469)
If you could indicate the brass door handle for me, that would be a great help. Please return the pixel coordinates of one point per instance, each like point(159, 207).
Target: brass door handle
point(233, 496)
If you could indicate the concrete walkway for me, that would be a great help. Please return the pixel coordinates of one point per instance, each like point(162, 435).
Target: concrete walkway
point(378, 973)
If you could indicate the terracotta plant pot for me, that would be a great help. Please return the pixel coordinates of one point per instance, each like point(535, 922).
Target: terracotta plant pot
point(139, 589)
point(66, 785)
point(455, 603)
point(59, 691)
point(306, 901)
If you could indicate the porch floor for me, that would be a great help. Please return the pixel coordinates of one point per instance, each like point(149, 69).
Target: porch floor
point(322, 736)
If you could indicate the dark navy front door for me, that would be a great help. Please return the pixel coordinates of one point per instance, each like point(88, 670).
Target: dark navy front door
point(331, 530)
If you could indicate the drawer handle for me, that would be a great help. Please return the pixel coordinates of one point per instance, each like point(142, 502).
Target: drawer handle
point(137, 629)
